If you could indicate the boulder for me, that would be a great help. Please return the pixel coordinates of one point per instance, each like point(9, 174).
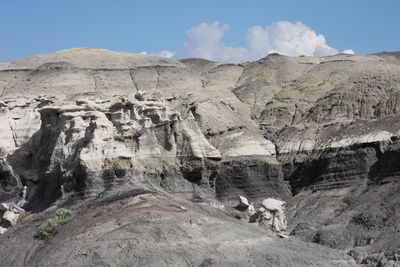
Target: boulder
point(272, 214)
point(10, 218)
point(243, 204)
point(272, 204)
point(2, 230)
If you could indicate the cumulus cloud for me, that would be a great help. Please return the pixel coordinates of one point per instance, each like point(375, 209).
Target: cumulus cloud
point(286, 38)
point(283, 37)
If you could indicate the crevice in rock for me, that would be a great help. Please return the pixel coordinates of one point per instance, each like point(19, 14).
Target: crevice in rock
point(240, 76)
point(158, 79)
point(133, 80)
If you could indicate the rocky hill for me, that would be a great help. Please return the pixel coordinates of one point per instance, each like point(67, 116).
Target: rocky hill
point(160, 173)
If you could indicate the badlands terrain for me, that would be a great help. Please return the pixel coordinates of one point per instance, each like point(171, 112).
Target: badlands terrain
point(151, 154)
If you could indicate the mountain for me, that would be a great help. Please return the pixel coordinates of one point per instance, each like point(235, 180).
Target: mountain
point(153, 182)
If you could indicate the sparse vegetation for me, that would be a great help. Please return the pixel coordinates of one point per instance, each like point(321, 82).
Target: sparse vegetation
point(53, 225)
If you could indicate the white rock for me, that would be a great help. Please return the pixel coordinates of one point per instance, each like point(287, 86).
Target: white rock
point(382, 136)
point(24, 192)
point(272, 204)
point(10, 218)
point(251, 210)
point(274, 214)
point(243, 204)
point(243, 201)
point(2, 230)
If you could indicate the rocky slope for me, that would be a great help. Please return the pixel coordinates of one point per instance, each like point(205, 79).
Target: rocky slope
point(321, 133)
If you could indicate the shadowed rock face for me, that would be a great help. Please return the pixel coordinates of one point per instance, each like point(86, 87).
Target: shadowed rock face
point(253, 176)
point(11, 185)
point(319, 132)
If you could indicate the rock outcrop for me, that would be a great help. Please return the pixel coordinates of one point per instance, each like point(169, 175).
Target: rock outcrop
point(89, 147)
point(270, 215)
point(11, 216)
point(320, 133)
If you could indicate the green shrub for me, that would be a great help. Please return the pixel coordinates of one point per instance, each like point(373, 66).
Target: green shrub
point(53, 225)
point(302, 55)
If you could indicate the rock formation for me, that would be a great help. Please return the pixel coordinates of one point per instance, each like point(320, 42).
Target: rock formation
point(88, 147)
point(320, 133)
point(271, 215)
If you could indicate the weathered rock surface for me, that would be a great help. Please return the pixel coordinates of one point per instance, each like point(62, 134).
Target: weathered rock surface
point(253, 176)
point(89, 148)
point(149, 229)
point(321, 133)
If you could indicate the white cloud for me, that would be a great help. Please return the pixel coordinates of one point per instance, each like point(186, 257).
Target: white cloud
point(283, 37)
point(286, 38)
point(348, 51)
point(165, 53)
point(205, 41)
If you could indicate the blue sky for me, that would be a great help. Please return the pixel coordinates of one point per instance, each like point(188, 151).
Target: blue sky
point(234, 27)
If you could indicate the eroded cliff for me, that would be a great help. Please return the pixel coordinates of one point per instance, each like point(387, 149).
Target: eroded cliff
point(319, 132)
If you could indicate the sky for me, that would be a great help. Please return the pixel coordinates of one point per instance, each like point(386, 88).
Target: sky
point(221, 30)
